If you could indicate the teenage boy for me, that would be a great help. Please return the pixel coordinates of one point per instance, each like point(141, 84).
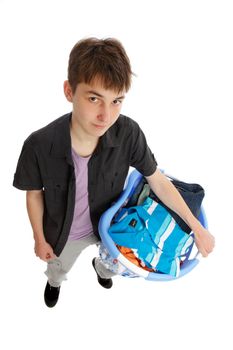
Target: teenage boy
point(76, 166)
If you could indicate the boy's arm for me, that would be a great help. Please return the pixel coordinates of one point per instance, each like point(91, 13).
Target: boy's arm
point(35, 208)
point(169, 195)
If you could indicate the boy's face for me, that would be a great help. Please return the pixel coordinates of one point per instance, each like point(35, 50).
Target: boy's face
point(95, 109)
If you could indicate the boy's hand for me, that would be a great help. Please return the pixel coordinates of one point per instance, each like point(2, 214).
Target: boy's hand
point(205, 242)
point(44, 251)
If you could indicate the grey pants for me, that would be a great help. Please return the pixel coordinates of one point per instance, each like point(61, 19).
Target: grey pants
point(60, 266)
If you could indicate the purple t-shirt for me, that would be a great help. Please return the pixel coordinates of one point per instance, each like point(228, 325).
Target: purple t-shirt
point(81, 225)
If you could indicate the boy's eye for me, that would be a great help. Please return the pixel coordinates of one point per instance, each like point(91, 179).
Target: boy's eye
point(93, 99)
point(117, 102)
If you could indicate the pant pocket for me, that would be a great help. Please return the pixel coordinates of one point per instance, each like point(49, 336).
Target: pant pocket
point(56, 275)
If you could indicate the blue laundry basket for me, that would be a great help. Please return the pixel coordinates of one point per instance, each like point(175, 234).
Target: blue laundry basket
point(105, 221)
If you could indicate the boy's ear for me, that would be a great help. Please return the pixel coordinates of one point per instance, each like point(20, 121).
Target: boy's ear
point(68, 91)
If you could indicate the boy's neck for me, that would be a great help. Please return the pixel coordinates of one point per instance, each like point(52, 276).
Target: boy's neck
point(83, 144)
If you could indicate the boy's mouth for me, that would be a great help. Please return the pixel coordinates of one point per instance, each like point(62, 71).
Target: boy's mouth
point(100, 126)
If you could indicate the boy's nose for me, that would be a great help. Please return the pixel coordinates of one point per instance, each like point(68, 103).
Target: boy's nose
point(104, 115)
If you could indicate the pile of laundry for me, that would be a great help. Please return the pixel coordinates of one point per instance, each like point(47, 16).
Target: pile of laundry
point(151, 236)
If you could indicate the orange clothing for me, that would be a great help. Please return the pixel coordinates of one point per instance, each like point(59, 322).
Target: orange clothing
point(129, 254)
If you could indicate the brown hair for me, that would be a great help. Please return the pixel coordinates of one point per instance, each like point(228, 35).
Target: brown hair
point(105, 59)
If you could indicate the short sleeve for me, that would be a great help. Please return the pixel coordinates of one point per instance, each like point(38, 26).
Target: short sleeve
point(142, 158)
point(27, 176)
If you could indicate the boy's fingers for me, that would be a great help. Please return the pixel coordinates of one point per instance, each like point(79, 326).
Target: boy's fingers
point(204, 253)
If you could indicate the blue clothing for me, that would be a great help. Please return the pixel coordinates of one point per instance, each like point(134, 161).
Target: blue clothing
point(191, 193)
point(154, 236)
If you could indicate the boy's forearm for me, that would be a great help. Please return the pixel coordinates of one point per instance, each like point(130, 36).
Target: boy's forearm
point(169, 195)
point(35, 209)
point(172, 199)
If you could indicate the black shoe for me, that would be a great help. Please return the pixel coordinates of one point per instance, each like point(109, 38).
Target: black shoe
point(104, 282)
point(51, 295)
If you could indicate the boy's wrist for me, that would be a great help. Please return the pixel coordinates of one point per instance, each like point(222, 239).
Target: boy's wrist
point(194, 224)
point(39, 238)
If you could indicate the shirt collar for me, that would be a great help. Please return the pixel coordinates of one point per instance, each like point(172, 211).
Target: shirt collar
point(61, 144)
point(110, 138)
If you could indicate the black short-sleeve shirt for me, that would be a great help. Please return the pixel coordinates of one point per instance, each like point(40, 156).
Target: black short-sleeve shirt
point(46, 163)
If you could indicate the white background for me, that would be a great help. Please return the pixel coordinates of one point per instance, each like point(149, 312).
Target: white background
point(182, 54)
